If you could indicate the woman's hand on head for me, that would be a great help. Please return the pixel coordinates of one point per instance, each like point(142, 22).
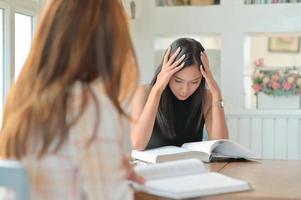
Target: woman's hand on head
point(206, 72)
point(169, 67)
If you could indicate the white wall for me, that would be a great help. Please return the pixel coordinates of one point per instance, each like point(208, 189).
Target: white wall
point(30, 7)
point(271, 134)
point(259, 49)
point(232, 20)
point(143, 37)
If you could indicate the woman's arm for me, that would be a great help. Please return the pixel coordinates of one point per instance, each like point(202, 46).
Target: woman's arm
point(144, 110)
point(214, 112)
point(215, 118)
point(146, 101)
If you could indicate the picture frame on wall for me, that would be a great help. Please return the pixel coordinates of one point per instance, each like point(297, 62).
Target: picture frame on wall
point(284, 44)
point(186, 2)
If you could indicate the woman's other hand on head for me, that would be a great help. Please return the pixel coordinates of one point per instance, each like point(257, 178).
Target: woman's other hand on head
point(169, 67)
point(206, 72)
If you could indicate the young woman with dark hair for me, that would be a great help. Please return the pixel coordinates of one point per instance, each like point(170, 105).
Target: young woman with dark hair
point(173, 109)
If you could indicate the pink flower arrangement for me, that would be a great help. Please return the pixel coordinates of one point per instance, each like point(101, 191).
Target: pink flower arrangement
point(280, 82)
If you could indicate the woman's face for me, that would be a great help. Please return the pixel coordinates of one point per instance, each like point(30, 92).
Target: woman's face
point(184, 83)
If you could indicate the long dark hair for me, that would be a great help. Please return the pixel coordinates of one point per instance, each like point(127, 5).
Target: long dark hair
point(164, 122)
point(75, 41)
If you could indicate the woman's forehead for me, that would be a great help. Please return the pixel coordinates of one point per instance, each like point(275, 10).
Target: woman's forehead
point(189, 73)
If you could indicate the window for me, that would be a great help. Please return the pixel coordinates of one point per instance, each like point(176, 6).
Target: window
point(1, 61)
point(186, 2)
point(23, 38)
point(17, 20)
point(273, 72)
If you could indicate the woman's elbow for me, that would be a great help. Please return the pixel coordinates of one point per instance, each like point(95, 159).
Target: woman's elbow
point(219, 136)
point(137, 144)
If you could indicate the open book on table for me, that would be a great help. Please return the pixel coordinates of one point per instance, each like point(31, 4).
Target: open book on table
point(186, 178)
point(206, 151)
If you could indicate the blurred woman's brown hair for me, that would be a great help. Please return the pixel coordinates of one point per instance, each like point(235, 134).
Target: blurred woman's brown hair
point(76, 40)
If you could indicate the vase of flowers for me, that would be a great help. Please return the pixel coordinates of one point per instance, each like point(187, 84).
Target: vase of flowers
point(277, 102)
point(277, 88)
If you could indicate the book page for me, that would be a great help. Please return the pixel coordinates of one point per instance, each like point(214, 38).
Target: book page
point(233, 149)
point(171, 169)
point(195, 185)
point(166, 150)
point(204, 146)
point(152, 154)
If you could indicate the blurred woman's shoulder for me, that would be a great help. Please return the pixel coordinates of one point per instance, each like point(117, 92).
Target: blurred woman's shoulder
point(91, 95)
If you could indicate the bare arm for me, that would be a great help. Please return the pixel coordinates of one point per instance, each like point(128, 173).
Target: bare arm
point(214, 113)
point(144, 110)
point(215, 119)
point(146, 102)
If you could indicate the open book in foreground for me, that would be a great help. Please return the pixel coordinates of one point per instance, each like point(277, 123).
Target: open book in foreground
point(206, 151)
point(185, 179)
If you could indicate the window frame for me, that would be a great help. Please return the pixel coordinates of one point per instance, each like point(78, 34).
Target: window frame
point(33, 26)
point(6, 61)
point(25, 7)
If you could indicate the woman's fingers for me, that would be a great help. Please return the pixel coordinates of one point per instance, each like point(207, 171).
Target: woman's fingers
point(177, 62)
point(166, 55)
point(137, 178)
point(205, 54)
point(173, 57)
point(205, 62)
point(203, 72)
point(205, 59)
point(131, 174)
point(176, 69)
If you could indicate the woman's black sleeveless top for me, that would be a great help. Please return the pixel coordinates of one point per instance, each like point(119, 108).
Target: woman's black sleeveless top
point(181, 113)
